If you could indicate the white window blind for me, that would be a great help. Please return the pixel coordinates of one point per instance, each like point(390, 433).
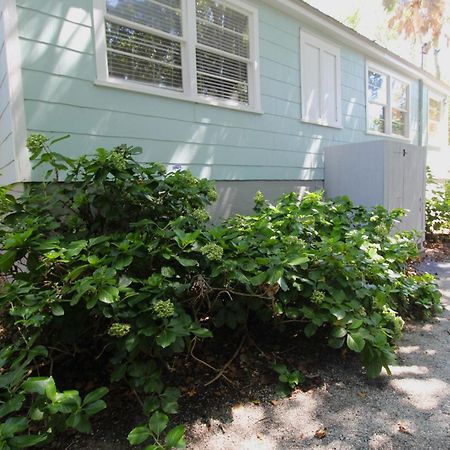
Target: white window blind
point(387, 103)
point(320, 81)
point(202, 49)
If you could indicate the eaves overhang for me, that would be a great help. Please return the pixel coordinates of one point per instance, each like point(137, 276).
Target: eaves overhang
point(334, 29)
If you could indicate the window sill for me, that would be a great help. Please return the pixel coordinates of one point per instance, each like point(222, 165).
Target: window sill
point(176, 95)
point(392, 136)
point(338, 126)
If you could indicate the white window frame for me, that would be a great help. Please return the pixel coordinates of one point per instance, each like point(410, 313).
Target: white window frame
point(442, 139)
point(323, 45)
point(188, 42)
point(388, 117)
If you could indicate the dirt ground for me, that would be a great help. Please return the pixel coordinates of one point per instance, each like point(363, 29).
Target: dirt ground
point(340, 408)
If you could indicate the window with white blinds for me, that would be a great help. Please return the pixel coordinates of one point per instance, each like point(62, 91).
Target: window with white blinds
point(320, 81)
point(202, 50)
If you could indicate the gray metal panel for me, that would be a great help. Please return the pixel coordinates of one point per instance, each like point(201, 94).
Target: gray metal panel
point(385, 172)
point(356, 170)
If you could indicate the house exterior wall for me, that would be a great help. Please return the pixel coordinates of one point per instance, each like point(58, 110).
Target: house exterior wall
point(59, 71)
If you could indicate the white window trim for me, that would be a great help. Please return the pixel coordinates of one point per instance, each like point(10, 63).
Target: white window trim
point(323, 45)
point(188, 45)
point(442, 139)
point(388, 119)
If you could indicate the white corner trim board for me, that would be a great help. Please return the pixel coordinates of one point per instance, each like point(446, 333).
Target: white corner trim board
point(16, 98)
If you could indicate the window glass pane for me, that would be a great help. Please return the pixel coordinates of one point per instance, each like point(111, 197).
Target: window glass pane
point(376, 117)
point(398, 122)
point(163, 15)
point(221, 77)
point(377, 89)
point(141, 57)
point(223, 28)
point(434, 110)
point(399, 95)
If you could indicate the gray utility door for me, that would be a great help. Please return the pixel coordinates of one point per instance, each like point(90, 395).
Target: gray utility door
point(405, 183)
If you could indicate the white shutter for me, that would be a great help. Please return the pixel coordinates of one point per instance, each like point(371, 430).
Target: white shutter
point(311, 82)
point(320, 81)
point(330, 107)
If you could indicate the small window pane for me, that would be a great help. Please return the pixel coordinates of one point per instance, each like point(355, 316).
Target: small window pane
point(377, 118)
point(434, 110)
point(377, 86)
point(130, 68)
point(142, 57)
point(399, 122)
point(399, 95)
point(163, 15)
point(138, 43)
point(216, 13)
point(218, 76)
point(222, 28)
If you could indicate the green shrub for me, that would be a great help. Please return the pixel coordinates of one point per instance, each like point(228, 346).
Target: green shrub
point(117, 261)
point(437, 207)
point(327, 265)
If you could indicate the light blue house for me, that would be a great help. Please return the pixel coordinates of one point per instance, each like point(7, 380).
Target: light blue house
point(245, 92)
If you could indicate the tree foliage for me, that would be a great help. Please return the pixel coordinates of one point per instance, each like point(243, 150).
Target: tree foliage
point(416, 19)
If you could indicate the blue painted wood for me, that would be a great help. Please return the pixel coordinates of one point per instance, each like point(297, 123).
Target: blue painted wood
point(58, 55)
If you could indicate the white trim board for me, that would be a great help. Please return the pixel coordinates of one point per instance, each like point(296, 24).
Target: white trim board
point(14, 73)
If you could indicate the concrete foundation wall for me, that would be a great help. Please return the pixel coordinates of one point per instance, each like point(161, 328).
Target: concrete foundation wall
point(236, 197)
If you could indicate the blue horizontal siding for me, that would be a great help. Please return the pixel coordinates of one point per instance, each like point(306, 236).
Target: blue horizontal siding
point(58, 55)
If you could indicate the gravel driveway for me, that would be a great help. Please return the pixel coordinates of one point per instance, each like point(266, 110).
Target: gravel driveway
point(408, 410)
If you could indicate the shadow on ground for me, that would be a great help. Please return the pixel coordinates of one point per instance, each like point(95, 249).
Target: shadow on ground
point(408, 410)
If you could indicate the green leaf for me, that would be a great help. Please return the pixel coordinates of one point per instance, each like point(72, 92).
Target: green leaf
point(167, 272)
point(258, 279)
point(338, 313)
point(57, 310)
point(27, 441)
point(298, 260)
point(338, 332)
point(310, 330)
point(7, 260)
point(12, 426)
point(166, 338)
point(187, 262)
point(336, 342)
point(41, 386)
point(95, 395)
point(355, 342)
point(79, 422)
point(158, 422)
point(94, 407)
point(123, 261)
point(12, 405)
point(197, 330)
point(108, 294)
point(174, 438)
